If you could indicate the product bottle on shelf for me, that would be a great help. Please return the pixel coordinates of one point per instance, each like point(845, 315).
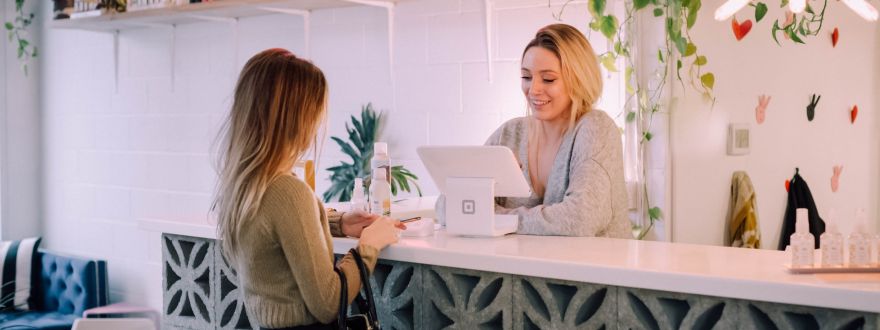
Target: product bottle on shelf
point(380, 194)
point(380, 160)
point(802, 241)
point(358, 202)
point(860, 243)
point(831, 243)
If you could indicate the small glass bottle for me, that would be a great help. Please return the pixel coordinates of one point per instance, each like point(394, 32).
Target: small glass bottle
point(358, 202)
point(860, 243)
point(380, 194)
point(831, 243)
point(802, 242)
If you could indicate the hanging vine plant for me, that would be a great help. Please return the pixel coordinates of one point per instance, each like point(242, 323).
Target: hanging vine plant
point(18, 35)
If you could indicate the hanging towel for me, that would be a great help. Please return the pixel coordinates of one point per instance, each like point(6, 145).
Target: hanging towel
point(742, 219)
point(799, 196)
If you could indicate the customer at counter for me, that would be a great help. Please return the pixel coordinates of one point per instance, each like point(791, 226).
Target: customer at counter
point(570, 152)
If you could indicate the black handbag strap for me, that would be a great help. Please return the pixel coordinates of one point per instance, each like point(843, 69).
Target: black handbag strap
point(342, 314)
point(365, 283)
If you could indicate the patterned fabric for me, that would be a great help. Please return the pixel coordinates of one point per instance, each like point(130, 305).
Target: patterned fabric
point(17, 273)
point(743, 228)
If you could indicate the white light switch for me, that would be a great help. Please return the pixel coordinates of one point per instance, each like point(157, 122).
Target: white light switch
point(738, 139)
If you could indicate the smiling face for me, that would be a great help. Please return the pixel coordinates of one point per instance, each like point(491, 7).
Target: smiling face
point(543, 85)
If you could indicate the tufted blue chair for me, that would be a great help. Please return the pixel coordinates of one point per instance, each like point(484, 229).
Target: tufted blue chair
point(67, 286)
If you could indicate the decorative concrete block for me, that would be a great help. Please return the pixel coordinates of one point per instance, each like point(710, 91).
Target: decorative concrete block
point(229, 300)
point(647, 309)
point(770, 316)
point(466, 299)
point(188, 282)
point(554, 304)
point(397, 288)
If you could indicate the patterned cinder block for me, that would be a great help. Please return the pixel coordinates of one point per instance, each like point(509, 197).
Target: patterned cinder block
point(647, 309)
point(188, 282)
point(229, 300)
point(771, 316)
point(397, 288)
point(555, 304)
point(466, 299)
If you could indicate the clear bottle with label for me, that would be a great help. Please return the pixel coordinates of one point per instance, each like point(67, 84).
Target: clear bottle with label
point(802, 241)
point(358, 200)
point(831, 243)
point(860, 243)
point(380, 194)
point(381, 161)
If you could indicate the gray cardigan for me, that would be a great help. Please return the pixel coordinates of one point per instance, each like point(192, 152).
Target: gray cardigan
point(585, 194)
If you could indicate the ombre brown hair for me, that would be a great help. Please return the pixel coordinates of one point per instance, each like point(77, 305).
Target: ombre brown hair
point(279, 102)
point(578, 62)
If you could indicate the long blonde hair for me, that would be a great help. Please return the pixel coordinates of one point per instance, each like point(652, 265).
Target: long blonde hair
point(579, 64)
point(278, 104)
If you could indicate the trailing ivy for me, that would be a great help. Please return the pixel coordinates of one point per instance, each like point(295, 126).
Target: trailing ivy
point(17, 33)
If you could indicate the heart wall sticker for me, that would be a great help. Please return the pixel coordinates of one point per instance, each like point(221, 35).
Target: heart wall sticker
point(761, 109)
point(740, 30)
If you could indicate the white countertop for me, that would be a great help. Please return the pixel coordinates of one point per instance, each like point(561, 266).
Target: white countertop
point(675, 267)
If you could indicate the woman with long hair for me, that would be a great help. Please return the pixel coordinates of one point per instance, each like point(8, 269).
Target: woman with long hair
point(570, 152)
point(273, 229)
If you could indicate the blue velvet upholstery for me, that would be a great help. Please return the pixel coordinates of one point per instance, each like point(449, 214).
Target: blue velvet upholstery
point(67, 286)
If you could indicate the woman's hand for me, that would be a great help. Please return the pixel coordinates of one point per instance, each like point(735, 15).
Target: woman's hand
point(353, 223)
point(382, 232)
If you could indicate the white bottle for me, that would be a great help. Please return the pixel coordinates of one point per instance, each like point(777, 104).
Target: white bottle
point(380, 194)
point(380, 160)
point(802, 241)
point(358, 202)
point(860, 243)
point(831, 243)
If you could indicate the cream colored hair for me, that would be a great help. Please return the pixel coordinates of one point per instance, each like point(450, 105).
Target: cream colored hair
point(279, 102)
point(578, 62)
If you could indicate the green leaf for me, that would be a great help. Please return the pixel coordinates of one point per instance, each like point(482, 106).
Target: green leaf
point(609, 26)
point(693, 9)
point(701, 60)
point(648, 136)
point(654, 213)
point(20, 52)
point(678, 64)
point(783, 4)
point(597, 8)
point(630, 116)
point(23, 43)
point(708, 80)
point(760, 11)
point(774, 30)
point(809, 9)
point(608, 62)
point(34, 53)
point(639, 4)
point(660, 55)
point(617, 47)
point(9, 26)
point(658, 12)
point(794, 37)
point(681, 45)
point(690, 49)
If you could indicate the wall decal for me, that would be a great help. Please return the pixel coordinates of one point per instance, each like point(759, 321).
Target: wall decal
point(761, 109)
point(811, 108)
point(835, 178)
point(834, 37)
point(740, 30)
point(853, 114)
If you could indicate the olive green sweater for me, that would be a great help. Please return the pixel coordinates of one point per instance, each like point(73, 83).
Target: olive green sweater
point(284, 258)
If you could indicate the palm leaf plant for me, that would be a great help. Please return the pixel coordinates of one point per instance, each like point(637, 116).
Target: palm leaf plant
point(359, 147)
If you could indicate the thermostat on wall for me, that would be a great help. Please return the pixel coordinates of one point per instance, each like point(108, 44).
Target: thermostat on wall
point(738, 139)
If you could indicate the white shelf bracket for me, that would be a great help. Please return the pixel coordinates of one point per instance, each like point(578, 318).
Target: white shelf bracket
point(173, 55)
point(116, 61)
point(487, 19)
point(305, 14)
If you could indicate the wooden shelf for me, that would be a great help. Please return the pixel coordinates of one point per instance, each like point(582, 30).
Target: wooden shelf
point(200, 12)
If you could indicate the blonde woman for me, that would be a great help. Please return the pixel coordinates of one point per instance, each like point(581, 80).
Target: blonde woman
point(275, 232)
point(570, 153)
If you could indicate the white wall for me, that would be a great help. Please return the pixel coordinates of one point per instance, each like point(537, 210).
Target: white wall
point(20, 136)
point(845, 75)
point(114, 157)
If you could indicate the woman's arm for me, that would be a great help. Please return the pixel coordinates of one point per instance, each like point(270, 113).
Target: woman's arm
point(302, 239)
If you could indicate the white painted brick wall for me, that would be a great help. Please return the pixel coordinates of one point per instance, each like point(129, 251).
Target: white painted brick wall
point(114, 157)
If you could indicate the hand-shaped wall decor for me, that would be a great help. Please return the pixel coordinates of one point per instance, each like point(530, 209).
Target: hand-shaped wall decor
point(835, 178)
point(811, 108)
point(761, 109)
point(853, 114)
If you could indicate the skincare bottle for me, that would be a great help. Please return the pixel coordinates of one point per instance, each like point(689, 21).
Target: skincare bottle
point(380, 160)
point(358, 202)
point(380, 194)
point(831, 243)
point(802, 241)
point(860, 243)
